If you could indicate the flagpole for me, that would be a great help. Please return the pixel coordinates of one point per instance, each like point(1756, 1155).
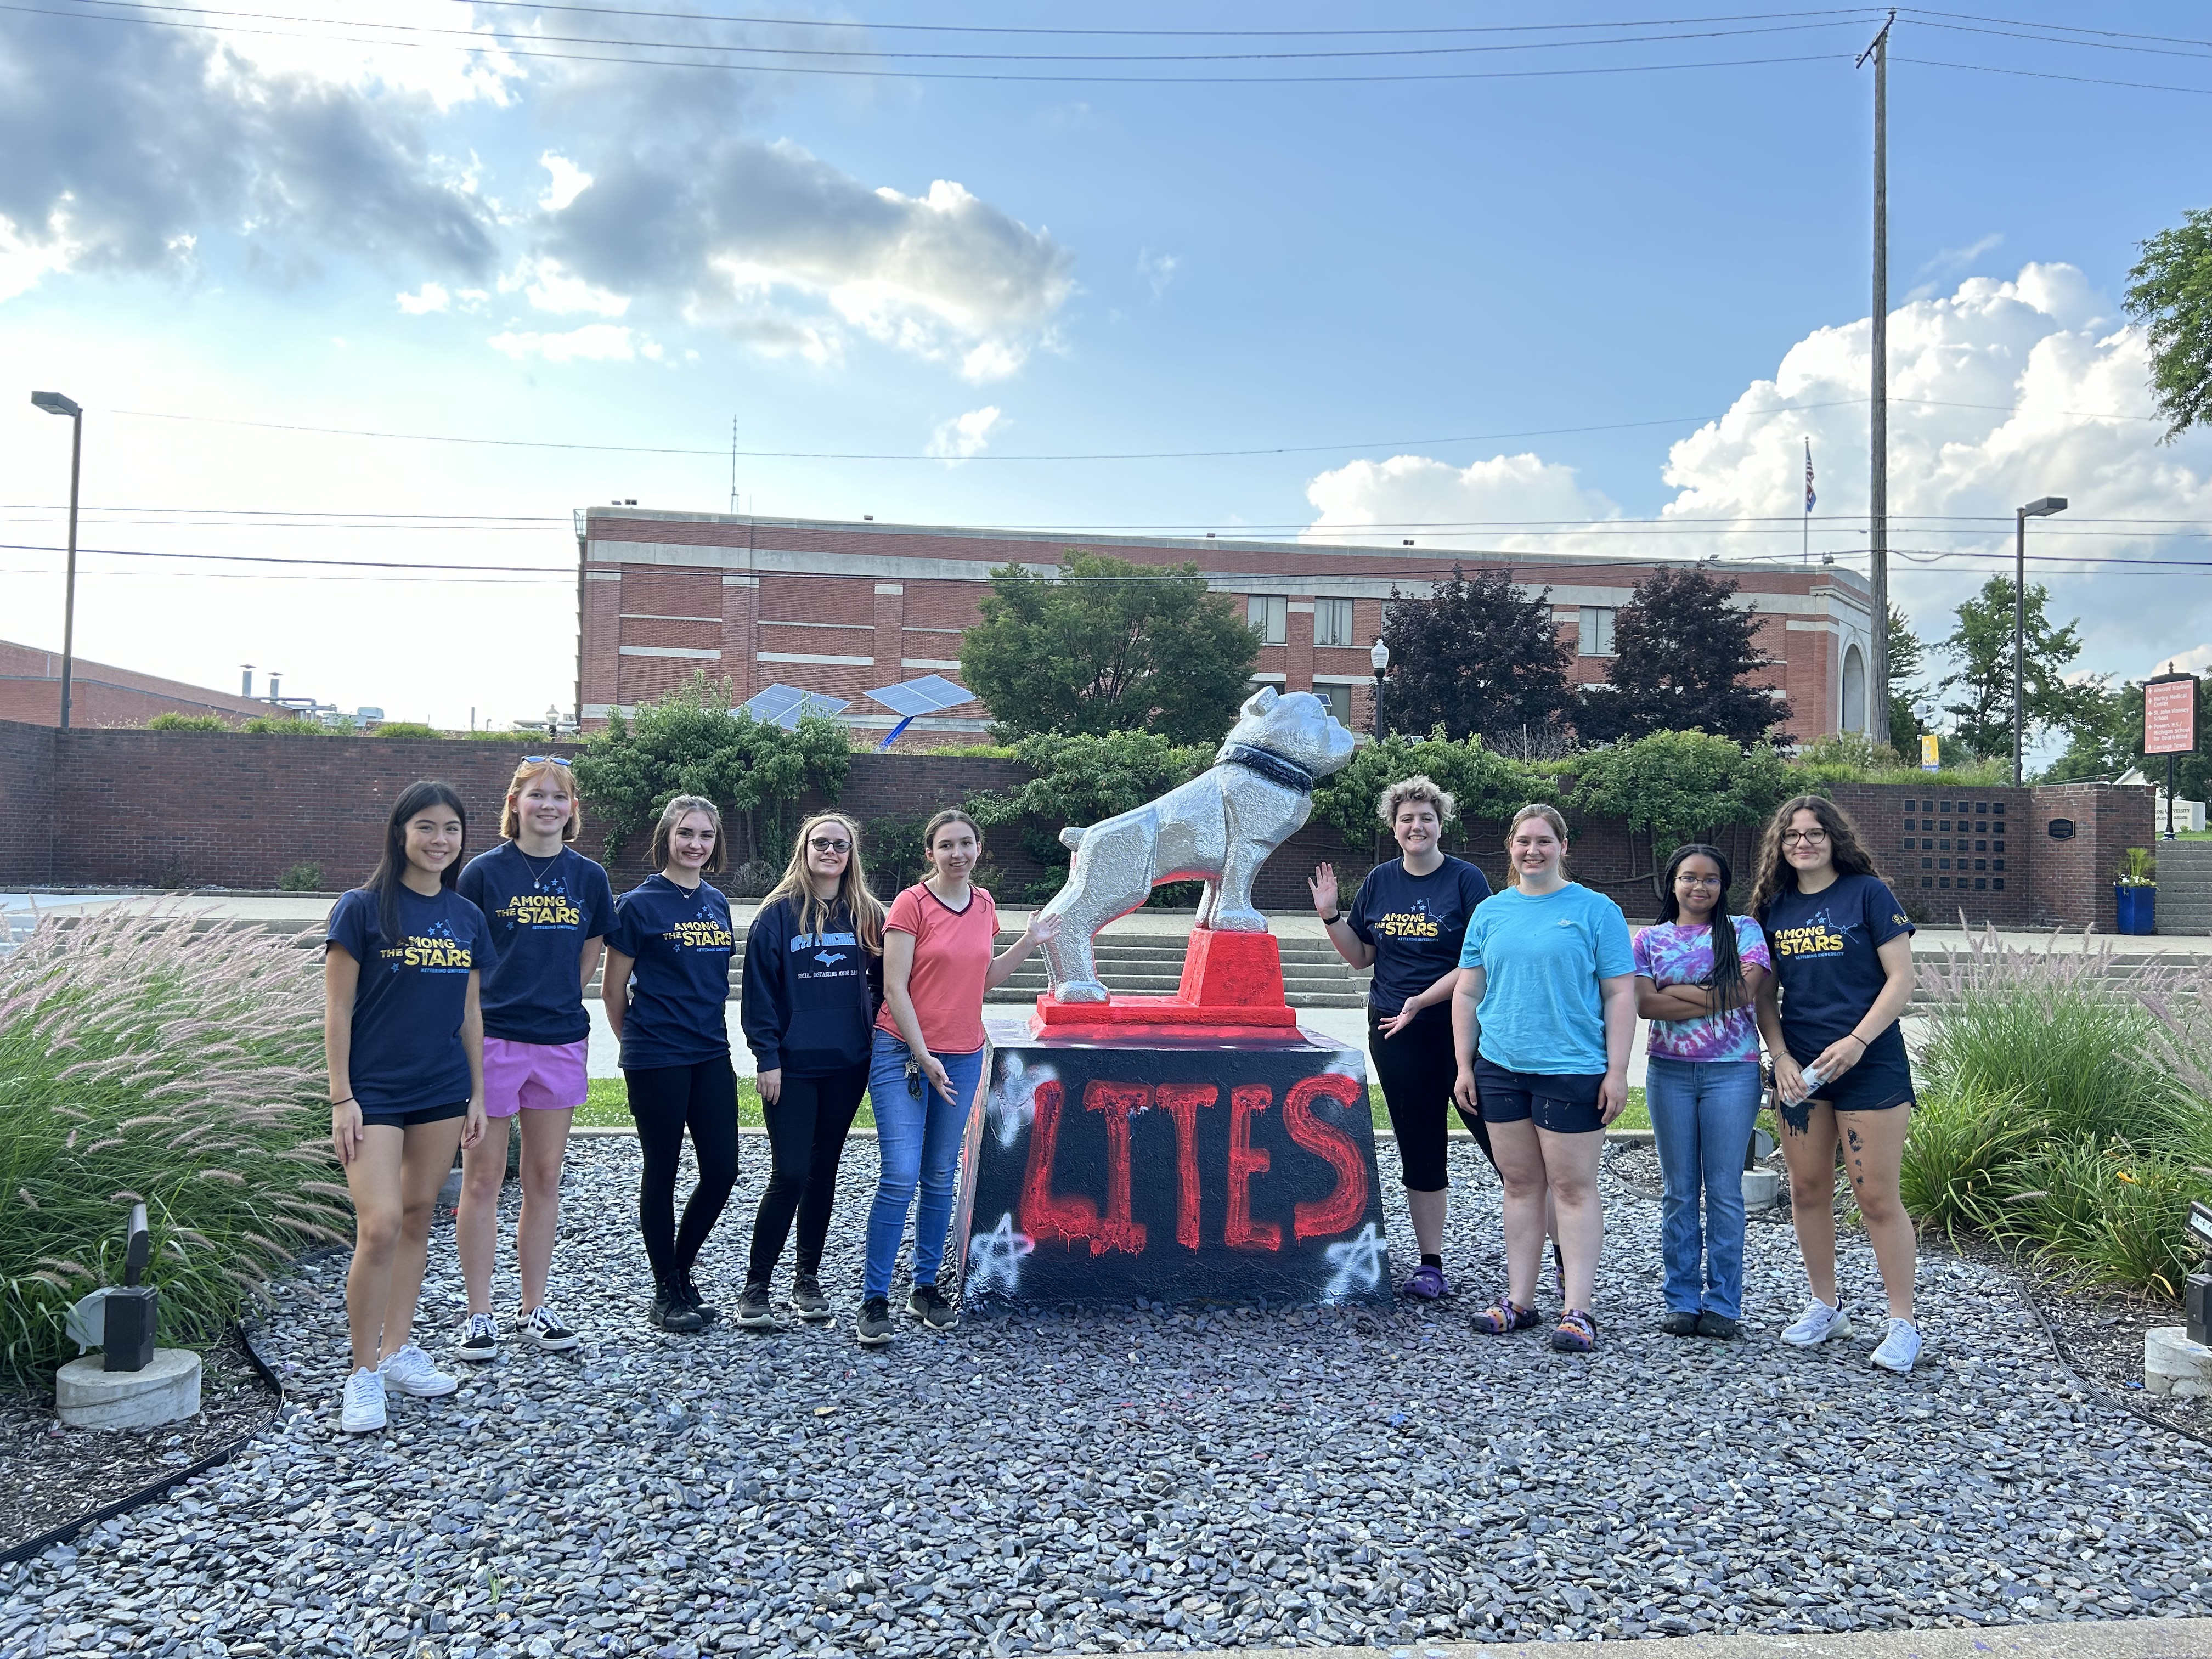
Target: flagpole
point(1877, 723)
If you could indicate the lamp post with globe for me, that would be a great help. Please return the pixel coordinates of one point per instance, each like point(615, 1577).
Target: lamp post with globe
point(1380, 656)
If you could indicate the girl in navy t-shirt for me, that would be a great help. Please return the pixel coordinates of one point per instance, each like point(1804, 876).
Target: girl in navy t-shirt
point(1842, 974)
point(402, 1033)
point(667, 988)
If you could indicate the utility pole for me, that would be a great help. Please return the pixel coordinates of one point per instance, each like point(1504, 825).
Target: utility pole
point(1878, 410)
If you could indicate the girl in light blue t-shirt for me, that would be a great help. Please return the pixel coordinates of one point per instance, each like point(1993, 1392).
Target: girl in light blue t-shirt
point(1541, 1024)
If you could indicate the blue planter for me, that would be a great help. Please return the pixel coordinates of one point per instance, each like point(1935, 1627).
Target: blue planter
point(2137, 907)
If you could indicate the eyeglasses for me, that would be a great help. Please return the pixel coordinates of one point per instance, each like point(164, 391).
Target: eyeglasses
point(1809, 837)
point(823, 844)
point(1697, 881)
point(560, 761)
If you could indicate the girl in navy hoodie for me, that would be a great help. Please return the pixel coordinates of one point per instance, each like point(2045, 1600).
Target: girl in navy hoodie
point(813, 974)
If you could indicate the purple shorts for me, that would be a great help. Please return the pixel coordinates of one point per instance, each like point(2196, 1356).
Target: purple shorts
point(546, 1077)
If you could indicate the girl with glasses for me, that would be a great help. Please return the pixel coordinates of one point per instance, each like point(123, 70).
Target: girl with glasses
point(813, 958)
point(667, 990)
point(1697, 973)
point(1842, 975)
point(1547, 979)
point(403, 1035)
point(926, 1061)
point(548, 908)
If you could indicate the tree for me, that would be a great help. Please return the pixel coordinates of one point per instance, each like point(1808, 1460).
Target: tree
point(1681, 786)
point(693, 743)
point(1981, 646)
point(1682, 654)
point(2169, 294)
point(1476, 656)
point(1908, 652)
point(1108, 646)
point(1483, 783)
point(1081, 778)
point(2104, 736)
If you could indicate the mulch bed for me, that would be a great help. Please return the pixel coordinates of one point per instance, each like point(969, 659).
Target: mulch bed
point(2097, 1328)
point(50, 1475)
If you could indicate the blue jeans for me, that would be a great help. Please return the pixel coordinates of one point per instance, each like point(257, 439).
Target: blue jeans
point(1702, 1113)
point(917, 1143)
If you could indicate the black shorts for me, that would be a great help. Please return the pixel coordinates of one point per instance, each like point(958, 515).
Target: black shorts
point(1881, 1079)
point(1564, 1105)
point(406, 1117)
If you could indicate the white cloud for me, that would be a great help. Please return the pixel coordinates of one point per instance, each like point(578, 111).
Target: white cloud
point(751, 230)
point(569, 181)
point(431, 297)
point(1441, 505)
point(24, 260)
point(1951, 261)
point(968, 435)
point(1157, 271)
point(549, 287)
point(601, 342)
point(334, 51)
point(2002, 391)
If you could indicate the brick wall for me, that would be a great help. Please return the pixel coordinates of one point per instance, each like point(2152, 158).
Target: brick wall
point(26, 802)
point(124, 808)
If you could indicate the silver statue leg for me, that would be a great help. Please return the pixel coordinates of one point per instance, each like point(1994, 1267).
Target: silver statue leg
point(1232, 911)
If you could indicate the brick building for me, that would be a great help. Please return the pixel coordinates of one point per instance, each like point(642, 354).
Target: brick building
point(102, 694)
point(844, 608)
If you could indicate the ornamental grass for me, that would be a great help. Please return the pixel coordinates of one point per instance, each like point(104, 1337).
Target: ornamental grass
point(147, 1057)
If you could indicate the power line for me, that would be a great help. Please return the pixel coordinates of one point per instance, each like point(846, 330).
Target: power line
point(2046, 75)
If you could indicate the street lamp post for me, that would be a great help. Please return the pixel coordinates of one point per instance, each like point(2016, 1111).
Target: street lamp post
point(54, 403)
point(2036, 509)
point(1380, 656)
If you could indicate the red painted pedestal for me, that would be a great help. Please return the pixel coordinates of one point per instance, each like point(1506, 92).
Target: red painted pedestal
point(1232, 987)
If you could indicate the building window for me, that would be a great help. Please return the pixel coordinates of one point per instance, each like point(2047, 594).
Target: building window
point(1270, 614)
point(1339, 699)
point(1596, 631)
point(1331, 621)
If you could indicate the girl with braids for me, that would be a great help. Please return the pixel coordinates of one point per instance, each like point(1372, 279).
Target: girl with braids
point(1842, 974)
point(1697, 973)
point(814, 960)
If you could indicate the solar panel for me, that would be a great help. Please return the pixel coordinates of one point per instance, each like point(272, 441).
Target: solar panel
point(782, 705)
point(923, 696)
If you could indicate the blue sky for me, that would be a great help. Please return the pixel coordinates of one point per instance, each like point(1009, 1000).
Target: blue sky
point(274, 222)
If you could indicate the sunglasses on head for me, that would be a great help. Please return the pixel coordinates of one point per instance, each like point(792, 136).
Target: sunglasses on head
point(560, 761)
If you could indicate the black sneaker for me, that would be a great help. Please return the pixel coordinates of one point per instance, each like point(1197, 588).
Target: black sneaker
point(807, 1300)
point(753, 1311)
point(1675, 1322)
point(928, 1303)
point(672, 1311)
point(1719, 1327)
point(873, 1329)
point(479, 1339)
point(542, 1329)
point(708, 1312)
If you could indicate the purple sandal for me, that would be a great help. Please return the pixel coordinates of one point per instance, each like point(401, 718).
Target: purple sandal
point(1426, 1284)
point(1506, 1317)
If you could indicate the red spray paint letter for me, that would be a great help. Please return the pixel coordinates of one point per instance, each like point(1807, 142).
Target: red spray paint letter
point(1117, 1231)
point(1182, 1101)
point(1047, 1215)
point(1242, 1232)
point(1337, 1213)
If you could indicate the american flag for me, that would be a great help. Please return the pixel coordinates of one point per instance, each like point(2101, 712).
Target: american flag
point(1810, 497)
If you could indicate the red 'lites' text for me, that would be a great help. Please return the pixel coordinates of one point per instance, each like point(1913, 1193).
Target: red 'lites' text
point(1070, 1219)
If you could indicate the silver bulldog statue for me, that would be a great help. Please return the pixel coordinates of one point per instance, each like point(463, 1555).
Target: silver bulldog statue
point(1219, 827)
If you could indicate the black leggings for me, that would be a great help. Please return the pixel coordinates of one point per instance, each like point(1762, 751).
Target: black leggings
point(1417, 1069)
point(664, 1100)
point(806, 1130)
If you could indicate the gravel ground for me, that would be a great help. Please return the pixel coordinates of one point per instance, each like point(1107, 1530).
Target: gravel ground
point(1147, 1480)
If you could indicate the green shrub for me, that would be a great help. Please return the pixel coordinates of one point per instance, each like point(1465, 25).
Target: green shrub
point(406, 729)
point(2104, 1214)
point(1484, 784)
point(1079, 779)
point(2053, 1031)
point(1959, 1157)
point(1681, 785)
point(302, 878)
point(144, 1061)
point(174, 721)
point(892, 850)
point(283, 726)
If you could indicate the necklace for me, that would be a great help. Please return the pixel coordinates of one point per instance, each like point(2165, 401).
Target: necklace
point(537, 876)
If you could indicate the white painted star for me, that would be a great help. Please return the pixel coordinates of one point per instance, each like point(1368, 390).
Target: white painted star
point(994, 1259)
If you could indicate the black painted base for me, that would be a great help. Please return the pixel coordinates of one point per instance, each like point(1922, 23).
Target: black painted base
point(1172, 1170)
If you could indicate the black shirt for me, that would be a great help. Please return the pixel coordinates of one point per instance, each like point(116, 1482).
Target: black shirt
point(1825, 960)
point(1415, 925)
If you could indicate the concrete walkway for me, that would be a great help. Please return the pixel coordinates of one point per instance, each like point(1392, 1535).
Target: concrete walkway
point(2124, 1639)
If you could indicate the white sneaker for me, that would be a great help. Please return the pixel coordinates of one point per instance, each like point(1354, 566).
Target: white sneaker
point(363, 1410)
point(1901, 1348)
point(1816, 1325)
point(479, 1339)
point(410, 1371)
point(542, 1329)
